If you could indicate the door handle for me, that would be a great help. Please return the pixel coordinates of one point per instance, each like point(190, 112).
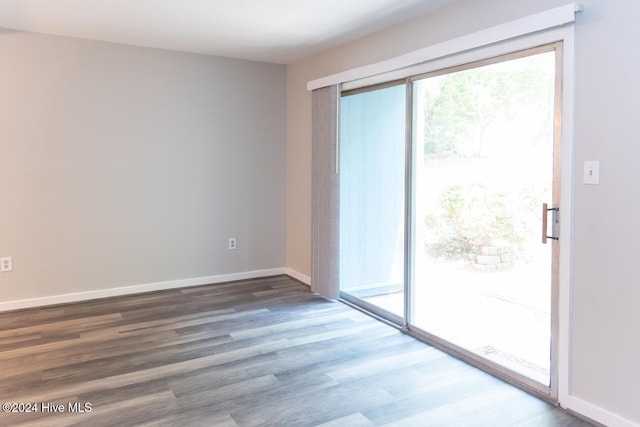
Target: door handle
point(555, 219)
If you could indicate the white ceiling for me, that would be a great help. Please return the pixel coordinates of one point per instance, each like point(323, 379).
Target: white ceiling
point(280, 31)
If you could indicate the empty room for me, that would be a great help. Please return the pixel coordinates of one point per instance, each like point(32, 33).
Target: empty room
point(364, 213)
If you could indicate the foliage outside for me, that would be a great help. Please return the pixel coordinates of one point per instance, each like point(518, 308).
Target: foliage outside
point(471, 218)
point(459, 110)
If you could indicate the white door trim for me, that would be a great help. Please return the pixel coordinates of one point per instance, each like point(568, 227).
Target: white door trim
point(549, 19)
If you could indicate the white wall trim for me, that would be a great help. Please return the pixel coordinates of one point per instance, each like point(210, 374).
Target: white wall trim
point(298, 276)
point(136, 289)
point(596, 413)
point(565, 305)
point(528, 25)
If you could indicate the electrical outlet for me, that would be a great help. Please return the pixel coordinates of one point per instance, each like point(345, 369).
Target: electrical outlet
point(6, 264)
point(232, 243)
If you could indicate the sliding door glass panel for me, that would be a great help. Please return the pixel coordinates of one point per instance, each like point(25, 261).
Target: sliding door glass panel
point(483, 148)
point(372, 202)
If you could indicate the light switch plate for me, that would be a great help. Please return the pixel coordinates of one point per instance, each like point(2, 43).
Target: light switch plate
point(592, 172)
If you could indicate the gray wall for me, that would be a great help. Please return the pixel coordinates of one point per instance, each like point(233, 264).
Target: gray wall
point(125, 166)
point(605, 344)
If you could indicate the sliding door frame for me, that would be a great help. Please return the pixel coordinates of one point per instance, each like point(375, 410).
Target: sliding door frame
point(562, 42)
point(379, 313)
point(547, 392)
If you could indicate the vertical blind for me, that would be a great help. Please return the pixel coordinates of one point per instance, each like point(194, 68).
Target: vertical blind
point(325, 190)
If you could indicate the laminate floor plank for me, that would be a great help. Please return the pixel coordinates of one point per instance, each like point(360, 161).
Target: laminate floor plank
point(73, 325)
point(353, 420)
point(258, 352)
point(411, 410)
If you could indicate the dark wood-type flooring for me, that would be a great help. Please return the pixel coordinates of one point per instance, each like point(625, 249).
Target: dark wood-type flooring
point(263, 352)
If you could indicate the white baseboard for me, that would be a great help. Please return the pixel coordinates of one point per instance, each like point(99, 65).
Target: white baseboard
point(595, 413)
point(136, 289)
point(298, 276)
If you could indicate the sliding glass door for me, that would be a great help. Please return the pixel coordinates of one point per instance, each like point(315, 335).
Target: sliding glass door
point(372, 199)
point(484, 156)
point(443, 179)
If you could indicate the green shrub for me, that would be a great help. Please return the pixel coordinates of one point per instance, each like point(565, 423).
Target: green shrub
point(473, 217)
